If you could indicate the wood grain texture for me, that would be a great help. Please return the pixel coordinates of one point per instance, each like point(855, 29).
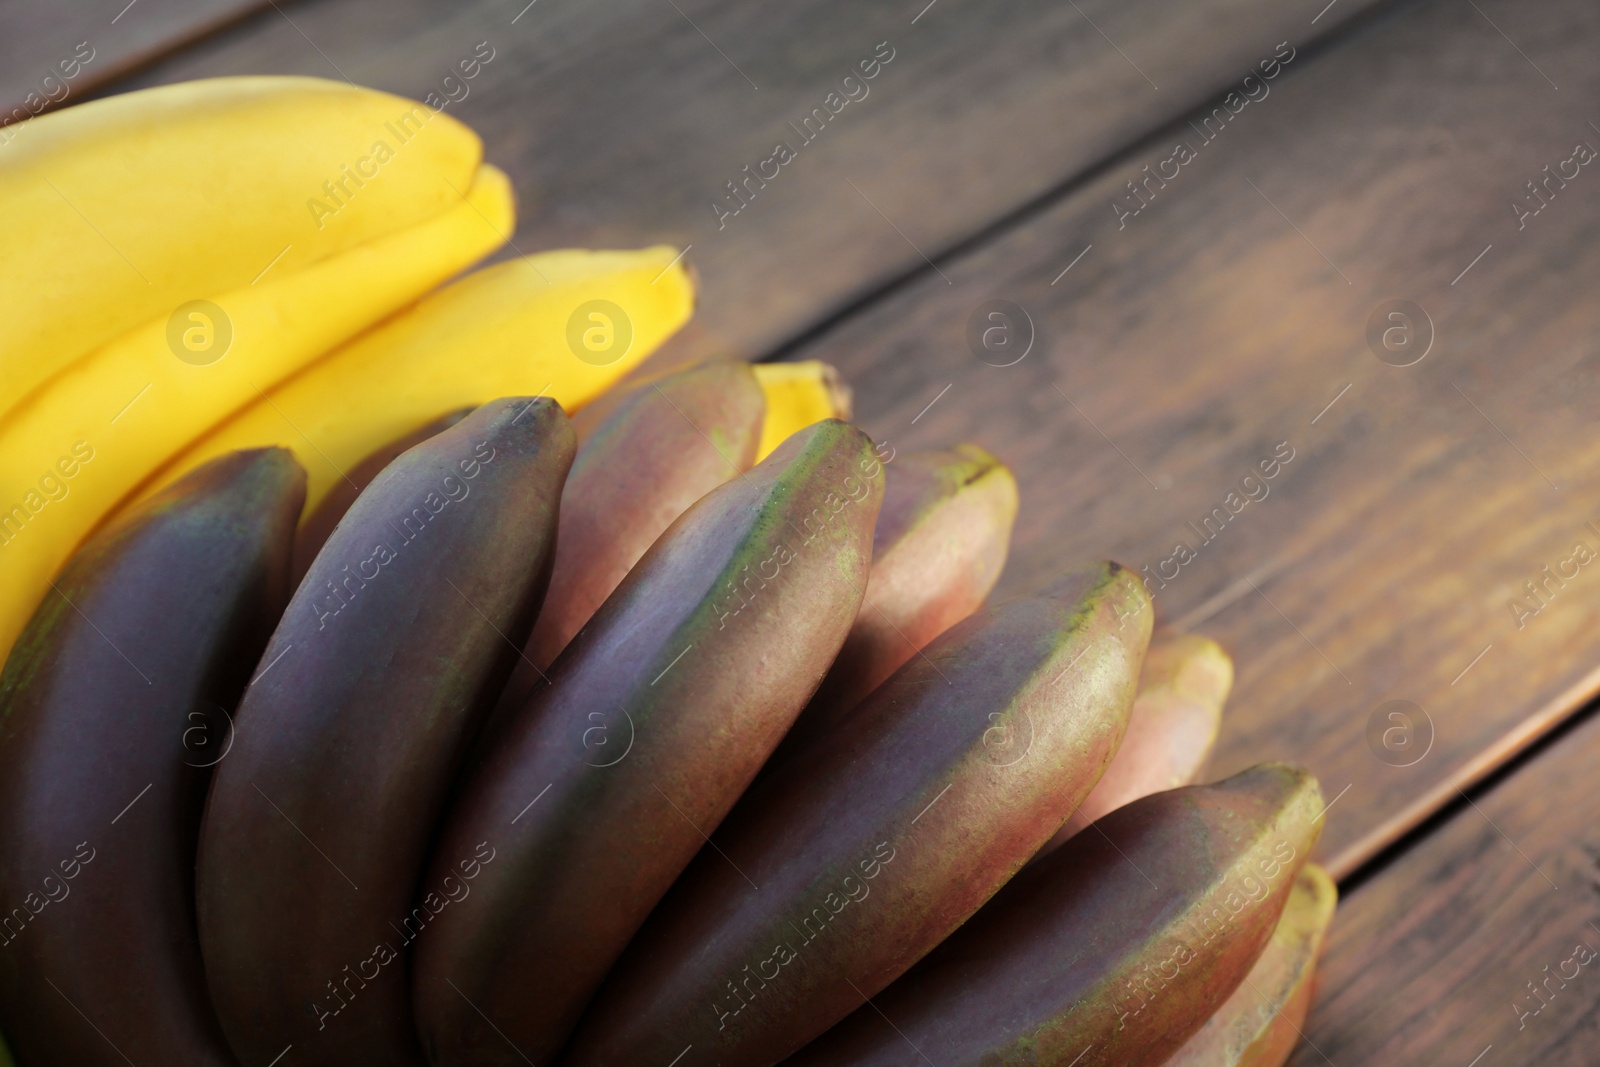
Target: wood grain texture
point(1220, 325)
point(1176, 354)
point(1197, 337)
point(1430, 961)
point(621, 123)
point(38, 36)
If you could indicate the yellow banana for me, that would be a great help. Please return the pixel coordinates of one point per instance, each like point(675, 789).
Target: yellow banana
point(798, 394)
point(506, 330)
point(119, 210)
point(92, 434)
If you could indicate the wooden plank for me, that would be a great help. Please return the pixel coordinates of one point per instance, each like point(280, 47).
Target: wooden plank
point(1227, 322)
point(53, 54)
point(622, 123)
point(616, 137)
point(1431, 961)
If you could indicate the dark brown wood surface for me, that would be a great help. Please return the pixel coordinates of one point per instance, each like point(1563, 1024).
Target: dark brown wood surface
point(1175, 350)
point(1430, 962)
point(621, 123)
point(53, 53)
point(1221, 323)
point(1198, 337)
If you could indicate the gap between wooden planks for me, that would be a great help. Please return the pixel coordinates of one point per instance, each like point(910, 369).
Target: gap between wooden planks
point(308, 17)
point(1397, 160)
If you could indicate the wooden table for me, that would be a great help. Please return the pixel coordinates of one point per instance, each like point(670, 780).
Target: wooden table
point(1193, 311)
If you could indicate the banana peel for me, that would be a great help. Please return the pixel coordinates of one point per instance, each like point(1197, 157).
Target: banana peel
point(939, 547)
point(118, 692)
point(1260, 1025)
point(871, 846)
point(669, 444)
point(78, 446)
point(1114, 949)
point(353, 731)
point(799, 394)
point(501, 331)
point(119, 210)
point(655, 721)
point(1176, 717)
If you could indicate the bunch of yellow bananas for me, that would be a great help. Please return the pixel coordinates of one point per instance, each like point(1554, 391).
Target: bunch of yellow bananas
point(248, 261)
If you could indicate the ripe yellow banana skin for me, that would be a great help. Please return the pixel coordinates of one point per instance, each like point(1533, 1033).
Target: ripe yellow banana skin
point(75, 448)
point(119, 210)
point(502, 331)
point(798, 394)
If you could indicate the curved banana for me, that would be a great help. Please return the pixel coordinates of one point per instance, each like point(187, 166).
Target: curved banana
point(670, 444)
point(392, 648)
point(501, 331)
point(1264, 1019)
point(1005, 718)
point(319, 523)
point(78, 446)
point(762, 576)
point(119, 210)
point(1087, 960)
point(1175, 721)
point(120, 691)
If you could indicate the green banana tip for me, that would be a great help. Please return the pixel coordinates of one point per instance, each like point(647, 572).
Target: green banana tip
point(826, 435)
